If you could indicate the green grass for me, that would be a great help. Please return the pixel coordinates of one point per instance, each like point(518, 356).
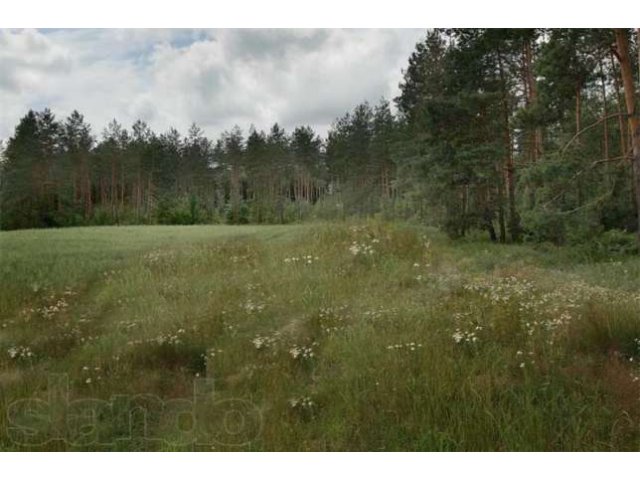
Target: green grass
point(340, 336)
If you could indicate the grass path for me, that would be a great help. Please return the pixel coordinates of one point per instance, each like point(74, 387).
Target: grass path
point(318, 337)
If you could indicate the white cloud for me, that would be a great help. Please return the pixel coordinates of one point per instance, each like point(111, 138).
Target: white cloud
point(216, 78)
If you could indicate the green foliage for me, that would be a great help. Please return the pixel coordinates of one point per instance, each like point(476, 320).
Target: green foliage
point(239, 217)
point(615, 243)
point(545, 227)
point(183, 211)
point(510, 132)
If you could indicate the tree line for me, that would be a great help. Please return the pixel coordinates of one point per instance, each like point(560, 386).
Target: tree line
point(522, 133)
point(55, 173)
point(525, 132)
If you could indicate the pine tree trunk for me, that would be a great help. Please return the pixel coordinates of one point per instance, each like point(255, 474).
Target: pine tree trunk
point(465, 200)
point(149, 194)
point(605, 113)
point(578, 108)
point(74, 179)
point(621, 123)
point(501, 222)
point(88, 201)
point(514, 221)
point(532, 90)
point(235, 194)
point(113, 188)
point(122, 188)
point(622, 44)
point(535, 147)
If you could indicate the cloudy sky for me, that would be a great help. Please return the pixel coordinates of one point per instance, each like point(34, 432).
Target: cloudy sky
point(216, 78)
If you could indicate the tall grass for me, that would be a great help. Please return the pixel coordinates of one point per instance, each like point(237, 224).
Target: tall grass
point(366, 336)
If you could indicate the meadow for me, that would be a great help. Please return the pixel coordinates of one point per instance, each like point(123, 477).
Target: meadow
point(331, 336)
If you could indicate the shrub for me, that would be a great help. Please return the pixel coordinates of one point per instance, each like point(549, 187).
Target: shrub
point(615, 242)
point(241, 215)
point(184, 211)
point(544, 227)
point(101, 216)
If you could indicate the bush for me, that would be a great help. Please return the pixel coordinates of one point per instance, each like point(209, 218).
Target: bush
point(615, 242)
point(544, 227)
point(296, 211)
point(330, 207)
point(101, 216)
point(240, 217)
point(67, 218)
point(184, 211)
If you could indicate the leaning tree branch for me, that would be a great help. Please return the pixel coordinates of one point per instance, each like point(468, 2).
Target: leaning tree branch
point(580, 172)
point(589, 127)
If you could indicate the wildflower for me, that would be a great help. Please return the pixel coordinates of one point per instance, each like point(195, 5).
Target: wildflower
point(19, 352)
point(302, 352)
point(467, 336)
point(251, 307)
point(267, 341)
point(412, 346)
point(214, 351)
point(294, 352)
point(304, 403)
point(361, 248)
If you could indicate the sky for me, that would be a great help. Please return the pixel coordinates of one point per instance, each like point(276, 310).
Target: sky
point(215, 78)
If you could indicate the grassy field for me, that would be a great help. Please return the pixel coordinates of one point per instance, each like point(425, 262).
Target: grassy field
point(343, 336)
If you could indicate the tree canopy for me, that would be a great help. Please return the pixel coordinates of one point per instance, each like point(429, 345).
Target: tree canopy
point(522, 133)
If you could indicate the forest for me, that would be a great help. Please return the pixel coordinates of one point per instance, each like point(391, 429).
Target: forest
point(521, 134)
